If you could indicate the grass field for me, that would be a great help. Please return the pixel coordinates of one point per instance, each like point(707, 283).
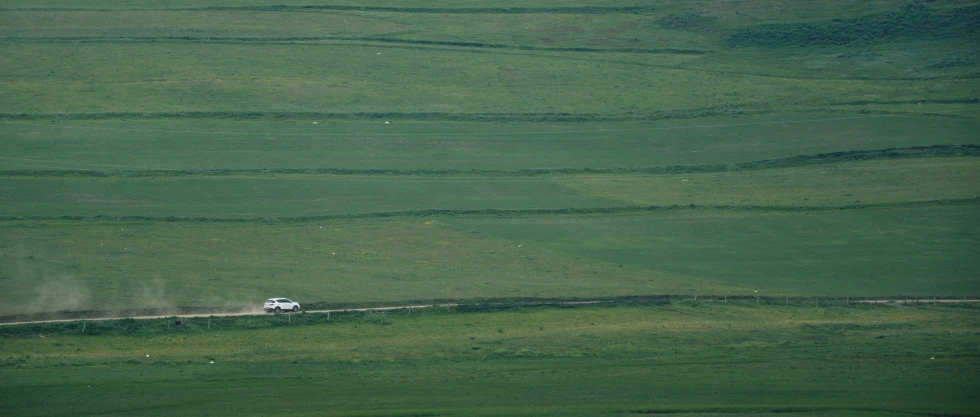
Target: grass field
point(616, 361)
point(169, 144)
point(254, 196)
point(66, 265)
point(175, 156)
point(574, 122)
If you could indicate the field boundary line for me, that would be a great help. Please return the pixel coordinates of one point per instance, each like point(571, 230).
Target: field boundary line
point(314, 39)
point(491, 304)
point(682, 114)
point(379, 9)
point(798, 161)
point(457, 46)
point(511, 213)
point(392, 116)
point(507, 212)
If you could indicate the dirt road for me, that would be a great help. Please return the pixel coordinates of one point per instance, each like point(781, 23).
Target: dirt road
point(257, 312)
point(923, 301)
point(260, 312)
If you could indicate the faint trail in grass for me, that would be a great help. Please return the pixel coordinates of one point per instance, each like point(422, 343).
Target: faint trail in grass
point(427, 10)
point(806, 410)
point(788, 162)
point(492, 117)
point(69, 163)
point(295, 39)
point(556, 132)
point(461, 117)
point(510, 213)
point(464, 47)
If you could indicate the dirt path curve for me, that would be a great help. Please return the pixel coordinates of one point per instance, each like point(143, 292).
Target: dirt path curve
point(259, 312)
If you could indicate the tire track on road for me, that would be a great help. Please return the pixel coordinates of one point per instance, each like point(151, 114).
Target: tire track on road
point(258, 312)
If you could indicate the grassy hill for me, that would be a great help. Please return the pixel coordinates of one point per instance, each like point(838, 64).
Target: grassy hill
point(146, 115)
point(174, 156)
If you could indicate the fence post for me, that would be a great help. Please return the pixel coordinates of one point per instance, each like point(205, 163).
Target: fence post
point(83, 326)
point(787, 300)
point(209, 322)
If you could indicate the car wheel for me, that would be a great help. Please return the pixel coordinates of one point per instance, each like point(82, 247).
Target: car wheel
point(278, 310)
point(295, 309)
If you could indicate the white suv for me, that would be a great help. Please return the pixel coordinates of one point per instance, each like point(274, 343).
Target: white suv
point(280, 304)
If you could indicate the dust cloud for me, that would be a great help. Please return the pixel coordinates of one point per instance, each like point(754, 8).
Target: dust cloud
point(153, 297)
point(63, 294)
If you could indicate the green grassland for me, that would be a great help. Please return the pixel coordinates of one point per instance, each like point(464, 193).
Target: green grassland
point(788, 11)
point(212, 122)
point(692, 58)
point(70, 265)
point(176, 156)
point(611, 361)
point(76, 24)
point(405, 144)
point(341, 78)
point(175, 111)
point(893, 251)
point(79, 266)
point(275, 195)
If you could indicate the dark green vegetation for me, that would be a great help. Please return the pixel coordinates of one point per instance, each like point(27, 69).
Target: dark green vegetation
point(843, 360)
point(188, 156)
point(914, 21)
